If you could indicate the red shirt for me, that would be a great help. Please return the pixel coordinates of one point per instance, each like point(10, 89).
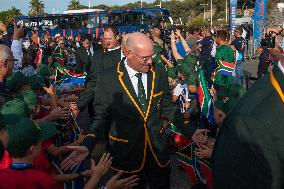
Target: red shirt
point(26, 179)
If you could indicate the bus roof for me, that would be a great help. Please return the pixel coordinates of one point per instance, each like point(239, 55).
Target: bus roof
point(90, 11)
point(81, 11)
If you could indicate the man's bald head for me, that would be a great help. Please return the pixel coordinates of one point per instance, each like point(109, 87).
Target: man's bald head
point(139, 52)
point(137, 41)
point(6, 62)
point(124, 40)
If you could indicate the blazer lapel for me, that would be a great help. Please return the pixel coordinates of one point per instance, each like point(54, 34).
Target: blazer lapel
point(125, 82)
point(151, 75)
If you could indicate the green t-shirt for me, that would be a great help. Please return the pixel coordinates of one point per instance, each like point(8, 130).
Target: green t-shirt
point(224, 53)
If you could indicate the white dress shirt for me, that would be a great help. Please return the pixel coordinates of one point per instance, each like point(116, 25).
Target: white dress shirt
point(115, 48)
point(134, 79)
point(281, 67)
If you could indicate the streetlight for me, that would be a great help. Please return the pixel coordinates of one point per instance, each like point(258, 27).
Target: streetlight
point(211, 12)
point(203, 4)
point(226, 11)
point(159, 5)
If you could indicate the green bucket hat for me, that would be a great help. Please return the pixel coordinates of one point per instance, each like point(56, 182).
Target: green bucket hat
point(43, 71)
point(26, 133)
point(36, 82)
point(236, 91)
point(172, 72)
point(16, 81)
point(184, 68)
point(228, 105)
point(29, 97)
point(13, 110)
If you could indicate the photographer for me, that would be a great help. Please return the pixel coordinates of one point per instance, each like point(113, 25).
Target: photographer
point(265, 59)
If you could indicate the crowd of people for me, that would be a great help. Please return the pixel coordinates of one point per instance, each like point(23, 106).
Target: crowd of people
point(140, 89)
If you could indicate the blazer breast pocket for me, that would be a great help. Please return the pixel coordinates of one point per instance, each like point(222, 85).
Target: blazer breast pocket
point(157, 97)
point(158, 94)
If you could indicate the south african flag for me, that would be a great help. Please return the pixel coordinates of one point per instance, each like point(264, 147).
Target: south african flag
point(225, 68)
point(205, 99)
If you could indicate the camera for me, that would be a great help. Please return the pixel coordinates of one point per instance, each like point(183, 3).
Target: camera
point(269, 40)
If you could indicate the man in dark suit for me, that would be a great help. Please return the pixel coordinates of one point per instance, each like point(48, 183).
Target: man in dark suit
point(249, 150)
point(103, 61)
point(131, 103)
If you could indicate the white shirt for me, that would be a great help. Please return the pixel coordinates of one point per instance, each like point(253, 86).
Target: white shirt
point(244, 34)
point(281, 67)
point(16, 48)
point(181, 90)
point(134, 79)
point(113, 48)
point(28, 71)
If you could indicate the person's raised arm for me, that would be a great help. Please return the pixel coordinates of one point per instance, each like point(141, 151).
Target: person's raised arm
point(184, 43)
point(174, 47)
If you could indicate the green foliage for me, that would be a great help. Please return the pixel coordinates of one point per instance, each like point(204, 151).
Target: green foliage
point(74, 4)
point(8, 16)
point(198, 22)
point(36, 7)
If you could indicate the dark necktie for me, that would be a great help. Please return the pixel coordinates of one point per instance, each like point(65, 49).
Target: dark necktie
point(141, 93)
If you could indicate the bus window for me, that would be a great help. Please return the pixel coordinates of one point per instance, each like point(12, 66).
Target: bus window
point(90, 21)
point(115, 19)
point(104, 20)
point(74, 22)
point(132, 19)
point(48, 23)
point(62, 22)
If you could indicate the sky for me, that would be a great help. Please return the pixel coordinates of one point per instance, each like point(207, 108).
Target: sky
point(59, 5)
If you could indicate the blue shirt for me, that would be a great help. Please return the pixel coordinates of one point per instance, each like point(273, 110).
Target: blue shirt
point(180, 48)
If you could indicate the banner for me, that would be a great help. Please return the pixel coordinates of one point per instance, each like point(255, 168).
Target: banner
point(233, 14)
point(259, 22)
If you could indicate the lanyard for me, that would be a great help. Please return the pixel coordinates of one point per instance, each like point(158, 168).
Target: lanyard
point(19, 166)
point(276, 86)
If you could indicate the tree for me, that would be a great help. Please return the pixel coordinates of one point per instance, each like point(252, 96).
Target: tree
point(74, 5)
point(8, 16)
point(36, 7)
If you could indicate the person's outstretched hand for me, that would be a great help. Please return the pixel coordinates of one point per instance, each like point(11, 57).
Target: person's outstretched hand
point(126, 183)
point(79, 153)
point(103, 166)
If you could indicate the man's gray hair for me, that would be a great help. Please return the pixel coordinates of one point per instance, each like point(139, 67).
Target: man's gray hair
point(5, 53)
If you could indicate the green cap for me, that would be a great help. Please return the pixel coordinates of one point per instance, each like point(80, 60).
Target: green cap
point(36, 82)
point(29, 97)
point(184, 68)
point(16, 81)
point(190, 59)
point(228, 105)
point(172, 72)
point(13, 110)
point(26, 133)
point(234, 90)
point(43, 71)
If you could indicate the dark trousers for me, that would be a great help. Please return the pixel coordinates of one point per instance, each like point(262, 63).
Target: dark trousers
point(152, 174)
point(205, 62)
